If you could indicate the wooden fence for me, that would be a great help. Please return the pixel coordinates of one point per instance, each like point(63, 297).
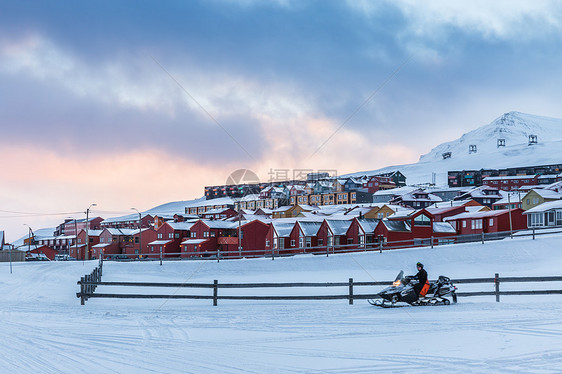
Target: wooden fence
point(88, 286)
point(89, 282)
point(374, 246)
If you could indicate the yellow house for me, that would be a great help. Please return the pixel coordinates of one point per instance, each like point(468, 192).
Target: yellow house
point(379, 212)
point(537, 197)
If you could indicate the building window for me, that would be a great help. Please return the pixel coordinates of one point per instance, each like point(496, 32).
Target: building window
point(160, 236)
point(476, 224)
point(267, 243)
point(205, 234)
point(491, 222)
point(170, 235)
point(293, 243)
point(422, 220)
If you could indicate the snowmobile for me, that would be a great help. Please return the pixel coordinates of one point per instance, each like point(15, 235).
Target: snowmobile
point(402, 291)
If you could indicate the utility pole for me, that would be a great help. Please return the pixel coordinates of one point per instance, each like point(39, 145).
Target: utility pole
point(509, 206)
point(140, 231)
point(87, 254)
point(75, 238)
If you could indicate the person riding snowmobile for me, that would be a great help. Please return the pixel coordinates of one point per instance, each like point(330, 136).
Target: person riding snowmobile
point(423, 283)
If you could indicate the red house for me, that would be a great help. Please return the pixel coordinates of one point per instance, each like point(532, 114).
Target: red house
point(492, 221)
point(332, 234)
point(360, 233)
point(137, 248)
point(47, 251)
point(414, 229)
point(203, 240)
point(253, 239)
point(440, 213)
point(169, 237)
point(94, 239)
point(278, 237)
point(303, 236)
point(377, 182)
point(509, 183)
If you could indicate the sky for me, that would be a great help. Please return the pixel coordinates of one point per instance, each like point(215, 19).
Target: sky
point(137, 103)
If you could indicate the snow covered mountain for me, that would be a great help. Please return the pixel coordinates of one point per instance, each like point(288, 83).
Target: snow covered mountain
point(514, 127)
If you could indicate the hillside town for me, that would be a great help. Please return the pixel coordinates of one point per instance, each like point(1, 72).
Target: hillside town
point(317, 214)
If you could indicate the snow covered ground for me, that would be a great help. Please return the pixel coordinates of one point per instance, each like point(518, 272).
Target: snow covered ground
point(43, 327)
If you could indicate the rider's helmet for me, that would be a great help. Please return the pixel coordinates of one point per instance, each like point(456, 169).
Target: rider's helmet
point(420, 265)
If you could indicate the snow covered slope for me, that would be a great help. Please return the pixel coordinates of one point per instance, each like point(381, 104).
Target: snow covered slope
point(514, 127)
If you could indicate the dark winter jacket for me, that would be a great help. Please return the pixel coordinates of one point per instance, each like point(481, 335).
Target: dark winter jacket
point(422, 276)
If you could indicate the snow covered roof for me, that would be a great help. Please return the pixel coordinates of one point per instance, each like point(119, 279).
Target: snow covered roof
point(483, 192)
point(437, 211)
point(514, 197)
point(186, 226)
point(548, 194)
point(160, 242)
point(216, 211)
point(283, 208)
point(509, 177)
point(193, 241)
point(134, 217)
point(117, 231)
point(309, 228)
point(283, 229)
point(443, 227)
point(338, 227)
point(395, 191)
point(477, 215)
point(549, 205)
point(368, 225)
point(402, 226)
point(94, 232)
point(450, 203)
point(217, 224)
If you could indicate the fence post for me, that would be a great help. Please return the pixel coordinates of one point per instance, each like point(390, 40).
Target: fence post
point(273, 253)
point(380, 246)
point(95, 280)
point(431, 241)
point(218, 255)
point(160, 255)
point(82, 301)
point(327, 250)
point(482, 237)
point(215, 292)
point(497, 282)
point(533, 233)
point(350, 291)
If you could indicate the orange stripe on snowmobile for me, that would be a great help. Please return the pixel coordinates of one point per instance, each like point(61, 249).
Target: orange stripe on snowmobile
point(425, 288)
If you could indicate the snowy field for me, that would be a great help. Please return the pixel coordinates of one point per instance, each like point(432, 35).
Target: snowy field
point(44, 329)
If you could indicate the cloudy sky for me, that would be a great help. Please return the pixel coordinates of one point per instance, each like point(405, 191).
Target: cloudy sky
point(136, 103)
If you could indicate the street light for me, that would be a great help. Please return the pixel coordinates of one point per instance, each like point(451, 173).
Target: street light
point(87, 254)
point(29, 237)
point(140, 230)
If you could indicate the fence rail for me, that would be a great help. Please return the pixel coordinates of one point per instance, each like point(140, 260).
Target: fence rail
point(89, 283)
